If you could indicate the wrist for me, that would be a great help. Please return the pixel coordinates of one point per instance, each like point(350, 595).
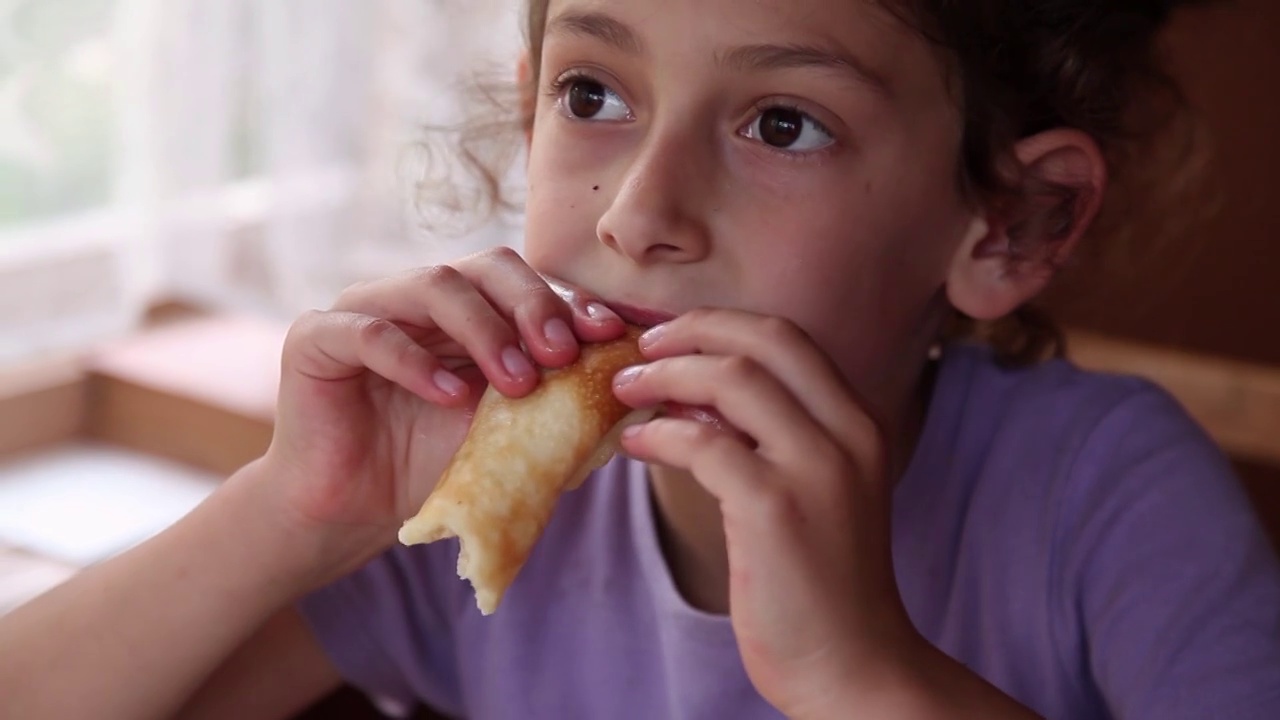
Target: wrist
point(305, 552)
point(892, 684)
point(917, 681)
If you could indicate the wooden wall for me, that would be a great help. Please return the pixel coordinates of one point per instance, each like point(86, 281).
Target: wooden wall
point(1217, 292)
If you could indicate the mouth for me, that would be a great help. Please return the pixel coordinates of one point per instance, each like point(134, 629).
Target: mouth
point(647, 318)
point(630, 314)
point(643, 317)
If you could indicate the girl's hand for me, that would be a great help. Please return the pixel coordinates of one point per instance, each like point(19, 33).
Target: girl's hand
point(377, 393)
point(804, 496)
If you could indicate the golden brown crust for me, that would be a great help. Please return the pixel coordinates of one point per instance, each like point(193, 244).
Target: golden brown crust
point(519, 456)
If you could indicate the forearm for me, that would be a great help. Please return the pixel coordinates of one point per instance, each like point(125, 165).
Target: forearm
point(926, 685)
point(134, 636)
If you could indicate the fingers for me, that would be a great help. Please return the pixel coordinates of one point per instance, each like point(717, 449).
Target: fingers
point(787, 353)
point(443, 298)
point(547, 318)
point(593, 320)
point(748, 395)
point(336, 346)
point(722, 462)
point(495, 308)
point(750, 488)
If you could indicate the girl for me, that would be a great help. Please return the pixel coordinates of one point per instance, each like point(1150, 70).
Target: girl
point(801, 198)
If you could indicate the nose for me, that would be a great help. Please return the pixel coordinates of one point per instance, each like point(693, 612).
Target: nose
point(655, 216)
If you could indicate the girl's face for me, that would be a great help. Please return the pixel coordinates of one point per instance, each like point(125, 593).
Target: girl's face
point(795, 158)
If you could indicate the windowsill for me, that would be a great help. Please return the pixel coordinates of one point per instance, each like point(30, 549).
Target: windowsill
point(126, 438)
point(199, 390)
point(41, 404)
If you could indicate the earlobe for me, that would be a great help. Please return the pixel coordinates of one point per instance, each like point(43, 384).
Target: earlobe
point(1016, 246)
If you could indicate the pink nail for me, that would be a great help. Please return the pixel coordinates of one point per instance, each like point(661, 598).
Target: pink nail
point(652, 336)
point(516, 364)
point(449, 383)
point(559, 335)
point(599, 313)
point(628, 376)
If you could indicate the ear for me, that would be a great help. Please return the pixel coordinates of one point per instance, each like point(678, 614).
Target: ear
point(528, 94)
point(1016, 246)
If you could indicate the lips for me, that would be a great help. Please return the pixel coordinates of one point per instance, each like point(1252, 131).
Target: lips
point(643, 317)
point(646, 317)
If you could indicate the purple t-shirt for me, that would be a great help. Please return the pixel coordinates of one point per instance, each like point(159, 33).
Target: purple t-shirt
point(1074, 538)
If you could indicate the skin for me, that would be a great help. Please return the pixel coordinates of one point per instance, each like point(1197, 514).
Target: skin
point(806, 284)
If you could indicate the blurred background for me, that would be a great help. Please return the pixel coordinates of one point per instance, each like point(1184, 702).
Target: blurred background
point(249, 155)
point(180, 178)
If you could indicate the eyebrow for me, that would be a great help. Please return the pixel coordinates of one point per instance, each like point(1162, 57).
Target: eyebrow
point(780, 57)
point(749, 58)
point(598, 26)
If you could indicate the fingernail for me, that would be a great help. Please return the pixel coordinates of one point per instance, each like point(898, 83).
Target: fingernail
point(516, 364)
point(627, 376)
point(449, 383)
point(632, 430)
point(599, 313)
point(558, 334)
point(652, 336)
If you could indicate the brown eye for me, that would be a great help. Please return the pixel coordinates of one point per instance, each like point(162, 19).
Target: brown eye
point(788, 129)
point(583, 98)
point(781, 127)
point(586, 98)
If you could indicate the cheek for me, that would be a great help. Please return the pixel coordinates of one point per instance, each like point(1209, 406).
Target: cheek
point(571, 158)
point(858, 268)
point(563, 199)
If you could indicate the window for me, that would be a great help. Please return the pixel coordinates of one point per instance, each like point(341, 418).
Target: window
point(55, 94)
point(237, 153)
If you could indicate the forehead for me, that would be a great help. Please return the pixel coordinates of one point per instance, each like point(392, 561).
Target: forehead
point(861, 30)
point(733, 12)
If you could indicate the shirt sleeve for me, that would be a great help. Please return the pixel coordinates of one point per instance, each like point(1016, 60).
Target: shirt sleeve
point(1177, 584)
point(386, 628)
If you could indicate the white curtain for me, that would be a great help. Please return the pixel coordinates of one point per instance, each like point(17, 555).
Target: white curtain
point(335, 94)
point(264, 153)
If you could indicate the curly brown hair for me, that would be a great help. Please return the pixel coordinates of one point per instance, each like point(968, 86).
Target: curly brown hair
point(1017, 67)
